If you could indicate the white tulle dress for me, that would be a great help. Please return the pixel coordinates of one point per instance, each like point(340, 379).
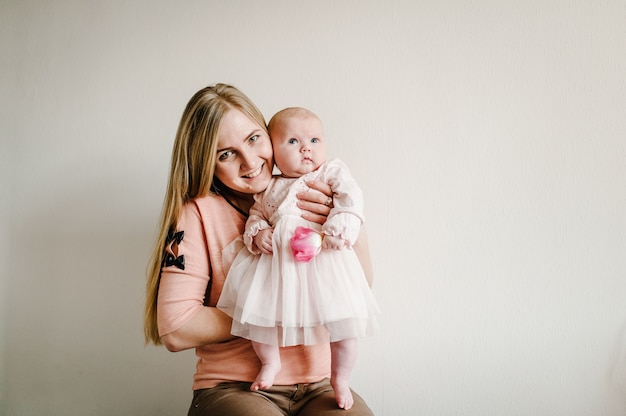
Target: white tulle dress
point(275, 300)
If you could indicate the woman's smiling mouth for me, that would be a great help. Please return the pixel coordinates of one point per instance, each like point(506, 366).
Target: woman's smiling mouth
point(255, 173)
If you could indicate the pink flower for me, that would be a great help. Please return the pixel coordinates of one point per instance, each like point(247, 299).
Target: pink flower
point(306, 243)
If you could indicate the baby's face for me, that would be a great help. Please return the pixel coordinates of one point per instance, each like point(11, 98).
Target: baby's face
point(299, 145)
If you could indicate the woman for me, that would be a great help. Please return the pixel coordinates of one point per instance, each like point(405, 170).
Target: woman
point(222, 156)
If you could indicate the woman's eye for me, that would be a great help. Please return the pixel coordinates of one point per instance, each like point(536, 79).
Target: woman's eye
point(254, 138)
point(224, 155)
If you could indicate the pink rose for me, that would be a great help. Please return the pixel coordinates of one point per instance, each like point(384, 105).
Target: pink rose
point(306, 243)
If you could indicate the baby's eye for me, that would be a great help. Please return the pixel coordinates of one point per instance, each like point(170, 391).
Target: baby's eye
point(292, 141)
point(315, 140)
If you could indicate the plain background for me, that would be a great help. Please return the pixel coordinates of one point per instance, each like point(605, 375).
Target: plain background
point(489, 138)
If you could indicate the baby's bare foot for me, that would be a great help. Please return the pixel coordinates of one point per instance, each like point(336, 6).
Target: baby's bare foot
point(343, 394)
point(265, 378)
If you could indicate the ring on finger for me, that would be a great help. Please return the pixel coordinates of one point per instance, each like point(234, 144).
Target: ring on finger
point(328, 202)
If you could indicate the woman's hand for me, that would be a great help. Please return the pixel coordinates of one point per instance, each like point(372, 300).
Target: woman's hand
point(316, 202)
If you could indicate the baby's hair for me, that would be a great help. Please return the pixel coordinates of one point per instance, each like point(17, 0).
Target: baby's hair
point(299, 112)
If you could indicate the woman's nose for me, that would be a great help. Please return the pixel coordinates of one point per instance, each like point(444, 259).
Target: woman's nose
point(247, 159)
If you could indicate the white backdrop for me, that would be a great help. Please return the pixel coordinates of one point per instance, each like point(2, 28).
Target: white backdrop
point(489, 138)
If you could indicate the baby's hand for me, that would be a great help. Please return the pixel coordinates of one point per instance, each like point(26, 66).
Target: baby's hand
point(263, 240)
point(333, 242)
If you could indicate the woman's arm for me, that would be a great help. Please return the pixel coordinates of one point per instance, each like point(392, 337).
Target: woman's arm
point(362, 250)
point(208, 326)
point(184, 322)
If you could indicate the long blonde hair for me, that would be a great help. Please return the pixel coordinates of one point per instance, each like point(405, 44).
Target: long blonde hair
point(191, 174)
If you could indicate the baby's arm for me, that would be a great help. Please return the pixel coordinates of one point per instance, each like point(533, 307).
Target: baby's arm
point(344, 222)
point(257, 225)
point(263, 241)
point(333, 242)
point(341, 230)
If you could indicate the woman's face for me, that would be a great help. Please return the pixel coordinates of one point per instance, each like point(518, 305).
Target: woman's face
point(244, 154)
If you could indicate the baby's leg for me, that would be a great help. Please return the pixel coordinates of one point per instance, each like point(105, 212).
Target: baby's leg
point(343, 356)
point(270, 365)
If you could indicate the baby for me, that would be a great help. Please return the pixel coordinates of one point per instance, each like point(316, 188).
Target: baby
point(297, 282)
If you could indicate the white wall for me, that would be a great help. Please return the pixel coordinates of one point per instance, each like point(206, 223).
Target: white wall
point(489, 138)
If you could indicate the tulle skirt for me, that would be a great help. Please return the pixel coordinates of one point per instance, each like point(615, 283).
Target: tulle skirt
point(275, 300)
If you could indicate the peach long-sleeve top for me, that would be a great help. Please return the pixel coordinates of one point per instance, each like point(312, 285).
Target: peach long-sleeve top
point(193, 258)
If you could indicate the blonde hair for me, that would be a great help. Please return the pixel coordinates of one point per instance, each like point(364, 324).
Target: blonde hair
point(191, 174)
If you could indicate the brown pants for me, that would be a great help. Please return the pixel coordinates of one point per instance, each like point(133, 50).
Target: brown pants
point(236, 399)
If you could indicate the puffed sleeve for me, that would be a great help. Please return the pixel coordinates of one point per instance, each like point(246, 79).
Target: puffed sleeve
point(255, 223)
point(185, 273)
point(346, 217)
